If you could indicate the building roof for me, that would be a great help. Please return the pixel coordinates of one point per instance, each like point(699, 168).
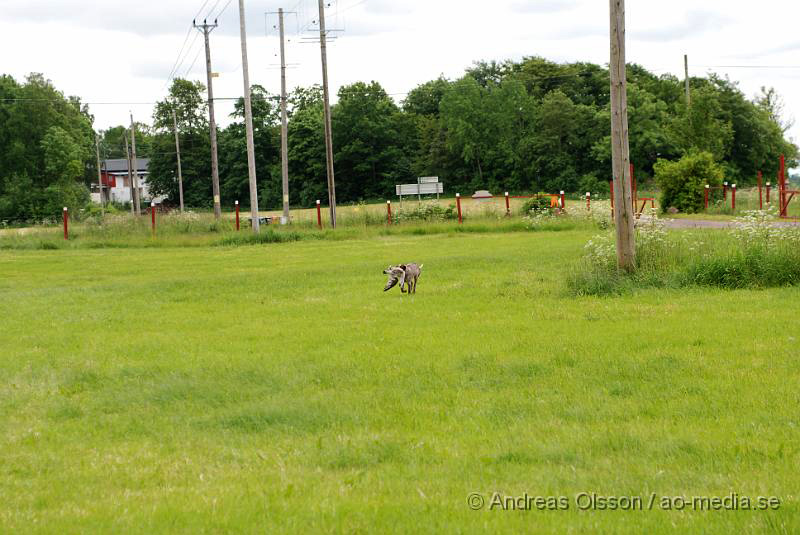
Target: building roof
point(120, 165)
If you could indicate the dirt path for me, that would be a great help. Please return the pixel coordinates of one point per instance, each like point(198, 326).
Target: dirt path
point(703, 223)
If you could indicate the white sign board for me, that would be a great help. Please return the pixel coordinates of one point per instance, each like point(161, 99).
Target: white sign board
point(428, 179)
point(419, 189)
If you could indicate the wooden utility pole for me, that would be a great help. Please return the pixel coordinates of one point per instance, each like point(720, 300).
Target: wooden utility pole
point(99, 175)
point(686, 78)
point(212, 124)
point(178, 154)
point(135, 163)
point(620, 154)
point(284, 127)
point(327, 112)
point(130, 173)
point(248, 119)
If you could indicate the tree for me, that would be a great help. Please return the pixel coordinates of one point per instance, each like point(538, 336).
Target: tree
point(425, 98)
point(234, 181)
point(307, 166)
point(702, 126)
point(186, 99)
point(561, 143)
point(371, 136)
point(46, 141)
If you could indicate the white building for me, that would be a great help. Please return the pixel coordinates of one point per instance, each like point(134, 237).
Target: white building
point(116, 184)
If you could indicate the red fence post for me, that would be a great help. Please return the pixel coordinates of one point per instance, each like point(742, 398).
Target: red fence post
point(153, 217)
point(724, 191)
point(733, 198)
point(563, 203)
point(389, 211)
point(508, 205)
point(237, 214)
point(319, 215)
point(458, 205)
point(705, 197)
point(588, 202)
point(768, 186)
point(760, 198)
point(65, 217)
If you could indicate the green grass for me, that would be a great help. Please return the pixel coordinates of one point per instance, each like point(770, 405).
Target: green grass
point(276, 389)
point(125, 232)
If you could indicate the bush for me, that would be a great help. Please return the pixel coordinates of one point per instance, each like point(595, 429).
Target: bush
point(682, 183)
point(432, 211)
point(590, 183)
point(537, 205)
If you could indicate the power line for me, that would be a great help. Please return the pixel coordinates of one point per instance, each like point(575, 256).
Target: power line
point(174, 66)
point(200, 10)
point(194, 62)
point(223, 9)
point(749, 66)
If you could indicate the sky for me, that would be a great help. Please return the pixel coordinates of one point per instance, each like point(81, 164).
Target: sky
point(120, 56)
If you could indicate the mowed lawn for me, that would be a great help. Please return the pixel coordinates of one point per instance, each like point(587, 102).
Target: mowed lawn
point(277, 389)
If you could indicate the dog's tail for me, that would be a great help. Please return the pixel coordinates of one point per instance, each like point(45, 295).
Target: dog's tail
point(420, 266)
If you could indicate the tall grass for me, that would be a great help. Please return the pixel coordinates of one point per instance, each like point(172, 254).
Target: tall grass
point(755, 253)
point(198, 230)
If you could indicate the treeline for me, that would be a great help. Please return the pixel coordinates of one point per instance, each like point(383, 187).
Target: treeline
point(46, 150)
point(522, 126)
point(532, 125)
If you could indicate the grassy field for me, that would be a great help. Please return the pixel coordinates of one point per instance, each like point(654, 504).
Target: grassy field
point(277, 389)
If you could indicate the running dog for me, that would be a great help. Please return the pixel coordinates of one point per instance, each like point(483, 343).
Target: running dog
point(405, 274)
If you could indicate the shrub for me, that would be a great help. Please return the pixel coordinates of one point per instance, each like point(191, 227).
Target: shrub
point(537, 205)
point(682, 182)
point(590, 183)
point(431, 211)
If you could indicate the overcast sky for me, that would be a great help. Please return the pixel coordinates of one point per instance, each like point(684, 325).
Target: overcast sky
point(118, 55)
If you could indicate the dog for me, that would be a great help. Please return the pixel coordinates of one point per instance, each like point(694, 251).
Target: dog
point(405, 274)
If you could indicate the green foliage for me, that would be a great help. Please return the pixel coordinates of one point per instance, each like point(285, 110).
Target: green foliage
point(590, 183)
point(62, 156)
point(703, 126)
point(426, 212)
point(522, 126)
point(307, 163)
point(537, 205)
point(73, 195)
point(371, 136)
point(683, 182)
point(187, 100)
point(46, 149)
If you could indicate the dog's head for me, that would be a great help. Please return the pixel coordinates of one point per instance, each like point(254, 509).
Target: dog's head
point(393, 270)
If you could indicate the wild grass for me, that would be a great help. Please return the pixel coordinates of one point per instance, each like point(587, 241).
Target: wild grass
point(754, 253)
point(200, 230)
point(276, 389)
